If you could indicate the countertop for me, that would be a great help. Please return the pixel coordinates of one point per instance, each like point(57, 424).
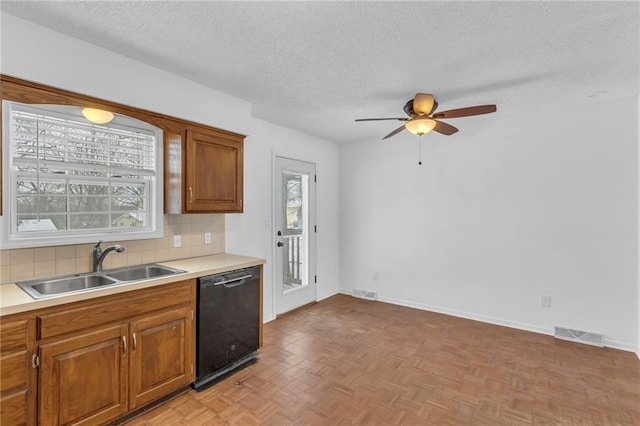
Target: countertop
point(14, 300)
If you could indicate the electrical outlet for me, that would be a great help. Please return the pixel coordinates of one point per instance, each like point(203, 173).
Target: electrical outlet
point(545, 301)
point(207, 237)
point(376, 276)
point(177, 241)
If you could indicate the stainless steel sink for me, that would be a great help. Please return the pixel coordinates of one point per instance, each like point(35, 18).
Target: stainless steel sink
point(141, 272)
point(66, 285)
point(78, 283)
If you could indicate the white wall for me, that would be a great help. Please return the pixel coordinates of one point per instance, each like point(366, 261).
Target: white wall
point(78, 66)
point(515, 206)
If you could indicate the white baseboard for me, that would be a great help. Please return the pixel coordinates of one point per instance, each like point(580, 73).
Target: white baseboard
point(327, 296)
point(469, 315)
point(493, 320)
point(273, 317)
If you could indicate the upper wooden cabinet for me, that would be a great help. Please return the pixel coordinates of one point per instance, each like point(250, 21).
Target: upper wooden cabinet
point(203, 172)
point(213, 172)
point(203, 165)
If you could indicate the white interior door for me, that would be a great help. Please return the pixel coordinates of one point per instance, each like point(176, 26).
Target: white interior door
point(295, 240)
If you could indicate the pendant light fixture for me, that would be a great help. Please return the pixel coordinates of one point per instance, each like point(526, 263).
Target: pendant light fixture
point(98, 116)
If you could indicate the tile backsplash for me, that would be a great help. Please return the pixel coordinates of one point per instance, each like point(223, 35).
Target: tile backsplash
point(24, 264)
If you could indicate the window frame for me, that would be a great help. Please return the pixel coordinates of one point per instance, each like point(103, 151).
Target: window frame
point(11, 240)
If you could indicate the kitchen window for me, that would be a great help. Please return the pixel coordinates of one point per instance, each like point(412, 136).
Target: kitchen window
point(68, 180)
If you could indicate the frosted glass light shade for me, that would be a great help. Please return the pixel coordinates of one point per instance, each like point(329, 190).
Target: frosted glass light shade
point(420, 126)
point(97, 116)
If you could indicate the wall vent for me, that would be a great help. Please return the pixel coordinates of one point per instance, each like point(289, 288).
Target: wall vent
point(585, 337)
point(364, 294)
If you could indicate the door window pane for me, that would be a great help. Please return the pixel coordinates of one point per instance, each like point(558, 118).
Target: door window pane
point(295, 234)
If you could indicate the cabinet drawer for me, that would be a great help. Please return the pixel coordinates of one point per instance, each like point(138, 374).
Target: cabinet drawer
point(14, 335)
point(109, 309)
point(13, 372)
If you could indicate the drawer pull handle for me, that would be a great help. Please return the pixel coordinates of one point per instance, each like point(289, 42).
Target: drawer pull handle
point(135, 342)
point(124, 345)
point(190, 195)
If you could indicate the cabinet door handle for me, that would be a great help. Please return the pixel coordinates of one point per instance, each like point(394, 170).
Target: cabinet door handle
point(124, 345)
point(190, 195)
point(135, 342)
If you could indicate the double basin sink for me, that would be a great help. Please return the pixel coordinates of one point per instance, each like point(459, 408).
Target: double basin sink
point(43, 288)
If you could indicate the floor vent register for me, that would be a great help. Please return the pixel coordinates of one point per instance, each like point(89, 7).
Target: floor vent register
point(365, 294)
point(585, 337)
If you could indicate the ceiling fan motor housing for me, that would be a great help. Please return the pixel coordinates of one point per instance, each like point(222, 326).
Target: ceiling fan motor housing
point(408, 108)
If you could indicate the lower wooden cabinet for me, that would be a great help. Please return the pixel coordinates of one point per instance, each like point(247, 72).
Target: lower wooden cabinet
point(17, 374)
point(161, 358)
point(83, 379)
point(98, 359)
point(99, 375)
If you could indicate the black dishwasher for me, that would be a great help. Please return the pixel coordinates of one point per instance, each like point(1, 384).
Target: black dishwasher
point(228, 324)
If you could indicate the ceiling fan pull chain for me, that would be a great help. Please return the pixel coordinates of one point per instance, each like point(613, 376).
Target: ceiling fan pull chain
point(420, 150)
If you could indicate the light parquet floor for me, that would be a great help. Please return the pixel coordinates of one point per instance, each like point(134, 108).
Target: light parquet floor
point(351, 361)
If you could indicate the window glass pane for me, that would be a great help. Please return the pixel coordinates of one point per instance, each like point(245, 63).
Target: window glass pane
point(127, 203)
point(293, 196)
point(27, 187)
point(89, 204)
point(27, 204)
point(41, 222)
point(127, 220)
point(47, 203)
point(85, 189)
point(88, 221)
point(137, 190)
point(53, 188)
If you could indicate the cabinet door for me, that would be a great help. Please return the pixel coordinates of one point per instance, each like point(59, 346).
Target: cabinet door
point(17, 376)
point(162, 355)
point(213, 173)
point(83, 379)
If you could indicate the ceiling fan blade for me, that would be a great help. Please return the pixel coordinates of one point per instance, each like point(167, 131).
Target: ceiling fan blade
point(396, 131)
point(466, 112)
point(378, 119)
point(423, 103)
point(444, 128)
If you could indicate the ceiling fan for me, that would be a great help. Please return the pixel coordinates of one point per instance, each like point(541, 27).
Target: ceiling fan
point(422, 117)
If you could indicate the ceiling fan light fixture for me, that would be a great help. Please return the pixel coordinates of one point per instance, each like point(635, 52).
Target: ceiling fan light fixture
point(98, 116)
point(420, 126)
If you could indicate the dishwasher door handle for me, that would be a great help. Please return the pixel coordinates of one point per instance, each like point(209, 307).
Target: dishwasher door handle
point(239, 281)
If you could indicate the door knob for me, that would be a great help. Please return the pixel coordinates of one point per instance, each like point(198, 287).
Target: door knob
point(280, 244)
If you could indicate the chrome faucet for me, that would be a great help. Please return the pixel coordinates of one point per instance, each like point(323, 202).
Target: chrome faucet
point(98, 255)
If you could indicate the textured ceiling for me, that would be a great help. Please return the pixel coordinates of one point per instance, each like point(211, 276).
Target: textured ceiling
point(317, 66)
